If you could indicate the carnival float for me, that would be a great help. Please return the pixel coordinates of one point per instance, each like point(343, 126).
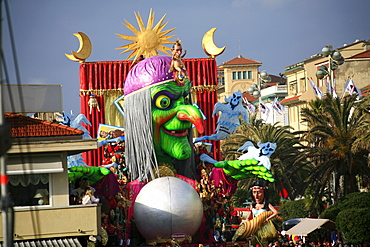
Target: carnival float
point(159, 166)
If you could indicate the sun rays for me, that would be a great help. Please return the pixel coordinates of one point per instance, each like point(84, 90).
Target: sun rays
point(147, 41)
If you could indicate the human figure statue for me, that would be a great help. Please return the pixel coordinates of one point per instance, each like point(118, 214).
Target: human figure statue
point(176, 64)
point(260, 227)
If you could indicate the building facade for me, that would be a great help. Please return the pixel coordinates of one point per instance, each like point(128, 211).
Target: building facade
point(237, 74)
point(241, 73)
point(356, 66)
point(38, 184)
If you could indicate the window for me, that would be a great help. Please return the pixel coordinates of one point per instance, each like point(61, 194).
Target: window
point(221, 80)
point(293, 87)
point(29, 189)
point(250, 75)
point(242, 75)
point(303, 84)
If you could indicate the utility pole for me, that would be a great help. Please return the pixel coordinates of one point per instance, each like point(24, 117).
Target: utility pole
point(7, 213)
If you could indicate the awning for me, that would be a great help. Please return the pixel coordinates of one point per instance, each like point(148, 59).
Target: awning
point(291, 223)
point(308, 225)
point(63, 242)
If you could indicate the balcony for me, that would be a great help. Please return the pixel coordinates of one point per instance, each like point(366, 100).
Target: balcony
point(274, 90)
point(55, 222)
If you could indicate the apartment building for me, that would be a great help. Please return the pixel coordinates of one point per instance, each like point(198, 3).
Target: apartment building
point(356, 65)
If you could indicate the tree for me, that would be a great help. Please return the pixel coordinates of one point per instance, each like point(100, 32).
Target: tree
point(288, 148)
point(351, 214)
point(354, 231)
point(294, 209)
point(336, 145)
point(351, 201)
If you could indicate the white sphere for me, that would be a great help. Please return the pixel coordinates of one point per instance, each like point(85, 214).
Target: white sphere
point(256, 93)
point(166, 206)
point(264, 75)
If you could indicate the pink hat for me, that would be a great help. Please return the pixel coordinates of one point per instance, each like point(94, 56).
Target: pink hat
point(149, 72)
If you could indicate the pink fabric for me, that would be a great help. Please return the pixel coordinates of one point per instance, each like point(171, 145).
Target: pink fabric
point(188, 180)
point(228, 183)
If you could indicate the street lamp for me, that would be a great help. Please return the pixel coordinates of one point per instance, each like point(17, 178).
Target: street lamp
point(335, 59)
point(255, 89)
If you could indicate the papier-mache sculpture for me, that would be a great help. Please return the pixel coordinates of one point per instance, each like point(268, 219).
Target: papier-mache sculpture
point(228, 121)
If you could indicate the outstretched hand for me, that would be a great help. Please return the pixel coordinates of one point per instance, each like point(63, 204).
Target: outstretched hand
point(241, 169)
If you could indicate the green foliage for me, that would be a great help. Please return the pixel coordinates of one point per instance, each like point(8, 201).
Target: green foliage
point(351, 215)
point(294, 209)
point(337, 142)
point(351, 201)
point(240, 196)
point(282, 160)
point(354, 224)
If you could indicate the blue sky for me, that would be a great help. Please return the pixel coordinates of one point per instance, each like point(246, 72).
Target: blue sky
point(277, 33)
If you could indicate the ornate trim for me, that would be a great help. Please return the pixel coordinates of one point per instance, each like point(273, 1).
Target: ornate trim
point(204, 88)
point(101, 92)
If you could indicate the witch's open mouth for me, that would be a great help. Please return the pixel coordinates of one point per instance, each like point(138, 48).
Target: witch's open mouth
point(176, 133)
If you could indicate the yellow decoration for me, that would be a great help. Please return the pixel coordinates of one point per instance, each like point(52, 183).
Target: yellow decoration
point(84, 50)
point(209, 46)
point(148, 40)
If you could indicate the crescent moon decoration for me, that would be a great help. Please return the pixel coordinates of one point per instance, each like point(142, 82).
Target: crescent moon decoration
point(209, 46)
point(84, 50)
point(147, 41)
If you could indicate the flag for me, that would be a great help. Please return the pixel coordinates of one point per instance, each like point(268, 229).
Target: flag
point(328, 86)
point(316, 90)
point(251, 108)
point(351, 88)
point(333, 90)
point(335, 95)
point(264, 109)
point(277, 106)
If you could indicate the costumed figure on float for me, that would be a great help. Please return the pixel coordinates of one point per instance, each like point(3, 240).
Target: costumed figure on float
point(158, 131)
point(158, 123)
point(260, 227)
point(228, 121)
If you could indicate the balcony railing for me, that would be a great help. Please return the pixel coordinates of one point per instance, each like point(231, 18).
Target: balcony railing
point(55, 222)
point(274, 90)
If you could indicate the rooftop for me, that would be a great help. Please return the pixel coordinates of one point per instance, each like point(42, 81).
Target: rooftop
point(365, 54)
point(240, 61)
point(26, 127)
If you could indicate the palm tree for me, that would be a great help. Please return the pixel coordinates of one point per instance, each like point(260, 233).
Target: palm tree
point(335, 138)
point(288, 148)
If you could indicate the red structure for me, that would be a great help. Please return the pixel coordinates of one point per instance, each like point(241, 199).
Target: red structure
point(106, 78)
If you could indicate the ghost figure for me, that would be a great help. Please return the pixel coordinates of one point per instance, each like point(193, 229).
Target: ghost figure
point(228, 121)
point(262, 154)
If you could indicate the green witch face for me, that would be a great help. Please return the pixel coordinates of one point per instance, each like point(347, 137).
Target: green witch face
point(173, 118)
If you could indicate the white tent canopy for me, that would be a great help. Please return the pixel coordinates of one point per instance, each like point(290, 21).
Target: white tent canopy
point(308, 225)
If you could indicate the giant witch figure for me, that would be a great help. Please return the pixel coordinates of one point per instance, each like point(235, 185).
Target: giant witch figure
point(158, 125)
point(158, 121)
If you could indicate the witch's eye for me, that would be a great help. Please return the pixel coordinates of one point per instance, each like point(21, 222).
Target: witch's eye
point(163, 102)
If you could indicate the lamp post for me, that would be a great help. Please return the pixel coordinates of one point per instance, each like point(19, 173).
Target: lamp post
point(255, 89)
point(335, 59)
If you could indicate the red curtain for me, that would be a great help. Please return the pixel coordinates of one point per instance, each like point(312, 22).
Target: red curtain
point(103, 78)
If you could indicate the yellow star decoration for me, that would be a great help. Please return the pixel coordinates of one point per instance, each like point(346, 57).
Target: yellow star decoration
point(148, 40)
